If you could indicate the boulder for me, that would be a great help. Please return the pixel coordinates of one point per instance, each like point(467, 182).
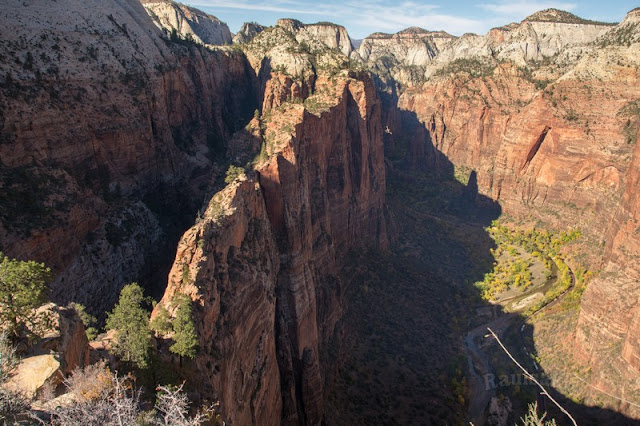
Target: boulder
point(62, 348)
point(66, 337)
point(32, 373)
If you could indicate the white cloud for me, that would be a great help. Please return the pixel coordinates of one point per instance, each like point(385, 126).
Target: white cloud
point(380, 16)
point(297, 8)
point(360, 17)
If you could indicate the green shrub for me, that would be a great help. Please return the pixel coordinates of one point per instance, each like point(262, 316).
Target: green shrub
point(233, 173)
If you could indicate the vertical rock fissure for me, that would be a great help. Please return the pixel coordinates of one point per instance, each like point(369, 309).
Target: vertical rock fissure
point(535, 148)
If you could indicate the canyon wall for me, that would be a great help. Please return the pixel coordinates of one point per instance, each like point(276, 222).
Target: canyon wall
point(263, 262)
point(113, 135)
point(108, 138)
point(552, 137)
point(558, 155)
point(114, 139)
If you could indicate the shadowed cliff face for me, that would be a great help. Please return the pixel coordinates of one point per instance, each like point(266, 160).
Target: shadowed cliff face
point(266, 307)
point(555, 144)
point(113, 139)
point(109, 136)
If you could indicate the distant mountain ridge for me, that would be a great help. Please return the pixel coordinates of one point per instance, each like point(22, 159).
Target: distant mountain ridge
point(560, 16)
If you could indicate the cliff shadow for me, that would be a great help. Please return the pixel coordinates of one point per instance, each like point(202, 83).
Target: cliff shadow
point(507, 381)
point(398, 353)
point(413, 346)
point(209, 129)
point(456, 202)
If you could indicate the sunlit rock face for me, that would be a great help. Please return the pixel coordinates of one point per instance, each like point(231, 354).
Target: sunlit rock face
point(188, 22)
point(114, 142)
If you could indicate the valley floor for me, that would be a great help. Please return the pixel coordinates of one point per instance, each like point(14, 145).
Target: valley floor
point(413, 346)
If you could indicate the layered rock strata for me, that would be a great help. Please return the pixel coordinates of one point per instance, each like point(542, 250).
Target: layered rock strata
point(108, 136)
point(262, 265)
point(188, 22)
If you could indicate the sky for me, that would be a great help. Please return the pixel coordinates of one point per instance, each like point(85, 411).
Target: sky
point(363, 17)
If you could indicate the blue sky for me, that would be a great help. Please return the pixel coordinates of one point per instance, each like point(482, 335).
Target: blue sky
point(363, 17)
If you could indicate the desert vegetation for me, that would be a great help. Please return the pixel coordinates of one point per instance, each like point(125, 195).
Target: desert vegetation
point(517, 251)
point(117, 392)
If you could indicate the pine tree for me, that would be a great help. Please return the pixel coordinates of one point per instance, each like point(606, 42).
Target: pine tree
point(131, 323)
point(161, 323)
point(87, 319)
point(185, 338)
point(23, 287)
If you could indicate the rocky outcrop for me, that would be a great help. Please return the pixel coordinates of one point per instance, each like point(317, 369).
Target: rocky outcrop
point(324, 194)
point(111, 137)
point(248, 31)
point(33, 373)
point(331, 35)
point(65, 336)
point(188, 22)
point(531, 40)
point(415, 55)
point(398, 54)
point(290, 49)
point(560, 16)
point(262, 265)
point(228, 263)
point(62, 348)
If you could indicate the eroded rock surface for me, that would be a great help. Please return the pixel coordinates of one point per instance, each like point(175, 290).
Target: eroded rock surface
point(188, 22)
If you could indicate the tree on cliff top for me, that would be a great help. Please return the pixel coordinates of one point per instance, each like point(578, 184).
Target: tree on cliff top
point(23, 287)
point(185, 338)
point(131, 323)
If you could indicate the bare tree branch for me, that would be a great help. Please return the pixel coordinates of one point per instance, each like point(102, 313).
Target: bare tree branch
point(530, 377)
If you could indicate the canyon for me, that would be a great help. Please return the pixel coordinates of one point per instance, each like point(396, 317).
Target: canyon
point(367, 177)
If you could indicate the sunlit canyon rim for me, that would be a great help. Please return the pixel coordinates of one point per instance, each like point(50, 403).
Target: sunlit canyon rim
point(118, 124)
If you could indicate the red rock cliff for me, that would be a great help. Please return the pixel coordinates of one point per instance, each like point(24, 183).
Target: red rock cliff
point(559, 146)
point(277, 296)
point(107, 135)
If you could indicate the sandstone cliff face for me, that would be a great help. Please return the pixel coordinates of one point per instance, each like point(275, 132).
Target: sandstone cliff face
point(188, 22)
point(228, 263)
point(332, 35)
point(608, 330)
point(324, 193)
point(398, 53)
point(248, 31)
point(263, 262)
point(99, 132)
point(532, 150)
point(555, 143)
